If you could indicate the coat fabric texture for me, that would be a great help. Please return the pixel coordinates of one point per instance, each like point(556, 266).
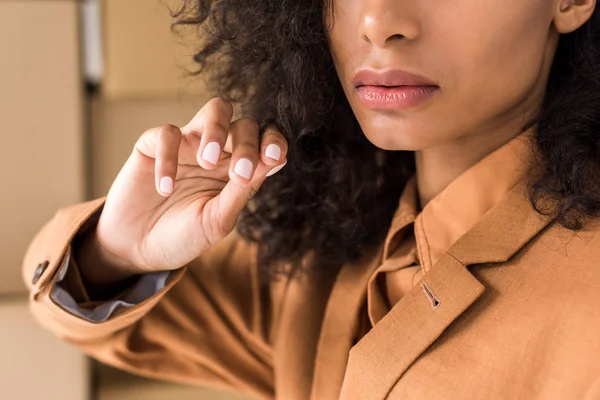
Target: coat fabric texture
point(476, 296)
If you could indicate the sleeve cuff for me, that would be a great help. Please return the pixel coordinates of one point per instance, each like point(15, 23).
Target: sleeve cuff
point(148, 285)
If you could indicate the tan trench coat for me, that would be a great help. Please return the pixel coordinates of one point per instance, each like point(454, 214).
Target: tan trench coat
point(511, 311)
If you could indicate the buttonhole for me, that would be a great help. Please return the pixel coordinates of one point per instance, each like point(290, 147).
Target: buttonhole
point(433, 299)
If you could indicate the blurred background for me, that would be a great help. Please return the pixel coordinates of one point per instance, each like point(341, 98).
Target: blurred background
point(80, 81)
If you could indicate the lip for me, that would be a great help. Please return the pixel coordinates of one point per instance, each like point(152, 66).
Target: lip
point(390, 77)
point(394, 98)
point(392, 89)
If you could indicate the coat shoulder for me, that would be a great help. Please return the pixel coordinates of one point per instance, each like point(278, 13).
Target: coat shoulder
point(570, 248)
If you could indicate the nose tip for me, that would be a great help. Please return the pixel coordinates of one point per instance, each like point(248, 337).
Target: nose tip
point(380, 26)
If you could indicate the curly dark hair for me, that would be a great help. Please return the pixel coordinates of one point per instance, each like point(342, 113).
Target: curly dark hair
point(336, 197)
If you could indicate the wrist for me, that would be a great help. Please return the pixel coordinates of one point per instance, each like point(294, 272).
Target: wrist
point(97, 266)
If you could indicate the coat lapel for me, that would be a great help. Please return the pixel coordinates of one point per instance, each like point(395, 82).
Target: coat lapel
point(503, 231)
point(410, 327)
point(445, 292)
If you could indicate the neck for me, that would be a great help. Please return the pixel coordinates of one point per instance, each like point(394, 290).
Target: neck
point(437, 166)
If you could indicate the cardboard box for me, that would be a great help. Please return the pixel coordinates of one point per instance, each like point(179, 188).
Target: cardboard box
point(36, 365)
point(144, 59)
point(41, 150)
point(118, 385)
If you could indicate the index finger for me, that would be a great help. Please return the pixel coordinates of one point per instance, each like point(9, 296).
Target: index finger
point(211, 124)
point(216, 108)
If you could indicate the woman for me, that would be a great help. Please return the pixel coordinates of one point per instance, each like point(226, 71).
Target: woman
point(429, 178)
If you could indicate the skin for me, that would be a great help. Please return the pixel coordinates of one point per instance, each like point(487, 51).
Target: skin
point(491, 60)
point(491, 66)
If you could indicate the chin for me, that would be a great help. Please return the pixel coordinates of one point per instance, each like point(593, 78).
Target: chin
point(395, 139)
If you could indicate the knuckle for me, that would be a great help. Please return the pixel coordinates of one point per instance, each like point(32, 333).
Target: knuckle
point(148, 133)
point(216, 126)
point(246, 145)
point(275, 136)
point(221, 104)
point(169, 130)
point(249, 124)
point(252, 192)
point(273, 127)
point(147, 140)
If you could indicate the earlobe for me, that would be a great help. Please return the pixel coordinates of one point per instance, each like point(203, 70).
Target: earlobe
point(572, 14)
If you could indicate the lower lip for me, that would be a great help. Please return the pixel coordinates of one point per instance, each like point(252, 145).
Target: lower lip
point(394, 98)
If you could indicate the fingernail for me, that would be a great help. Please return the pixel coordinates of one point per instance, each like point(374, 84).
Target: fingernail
point(166, 185)
point(211, 152)
point(276, 169)
point(243, 167)
point(273, 151)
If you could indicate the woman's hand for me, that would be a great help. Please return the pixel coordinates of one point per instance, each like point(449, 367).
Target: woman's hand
point(182, 190)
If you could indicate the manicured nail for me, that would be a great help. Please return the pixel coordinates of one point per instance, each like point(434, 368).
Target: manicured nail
point(211, 152)
point(166, 185)
point(243, 167)
point(273, 151)
point(276, 169)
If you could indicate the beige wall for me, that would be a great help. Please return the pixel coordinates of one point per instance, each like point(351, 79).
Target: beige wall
point(41, 167)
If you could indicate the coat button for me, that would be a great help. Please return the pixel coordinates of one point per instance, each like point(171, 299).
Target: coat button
point(39, 271)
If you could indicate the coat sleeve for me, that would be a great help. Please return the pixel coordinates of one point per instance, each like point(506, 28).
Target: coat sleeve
point(70, 293)
point(210, 325)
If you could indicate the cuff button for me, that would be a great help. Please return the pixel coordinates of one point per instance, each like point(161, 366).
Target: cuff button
point(39, 271)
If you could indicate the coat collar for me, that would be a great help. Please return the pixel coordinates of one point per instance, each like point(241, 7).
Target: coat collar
point(458, 207)
point(378, 360)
